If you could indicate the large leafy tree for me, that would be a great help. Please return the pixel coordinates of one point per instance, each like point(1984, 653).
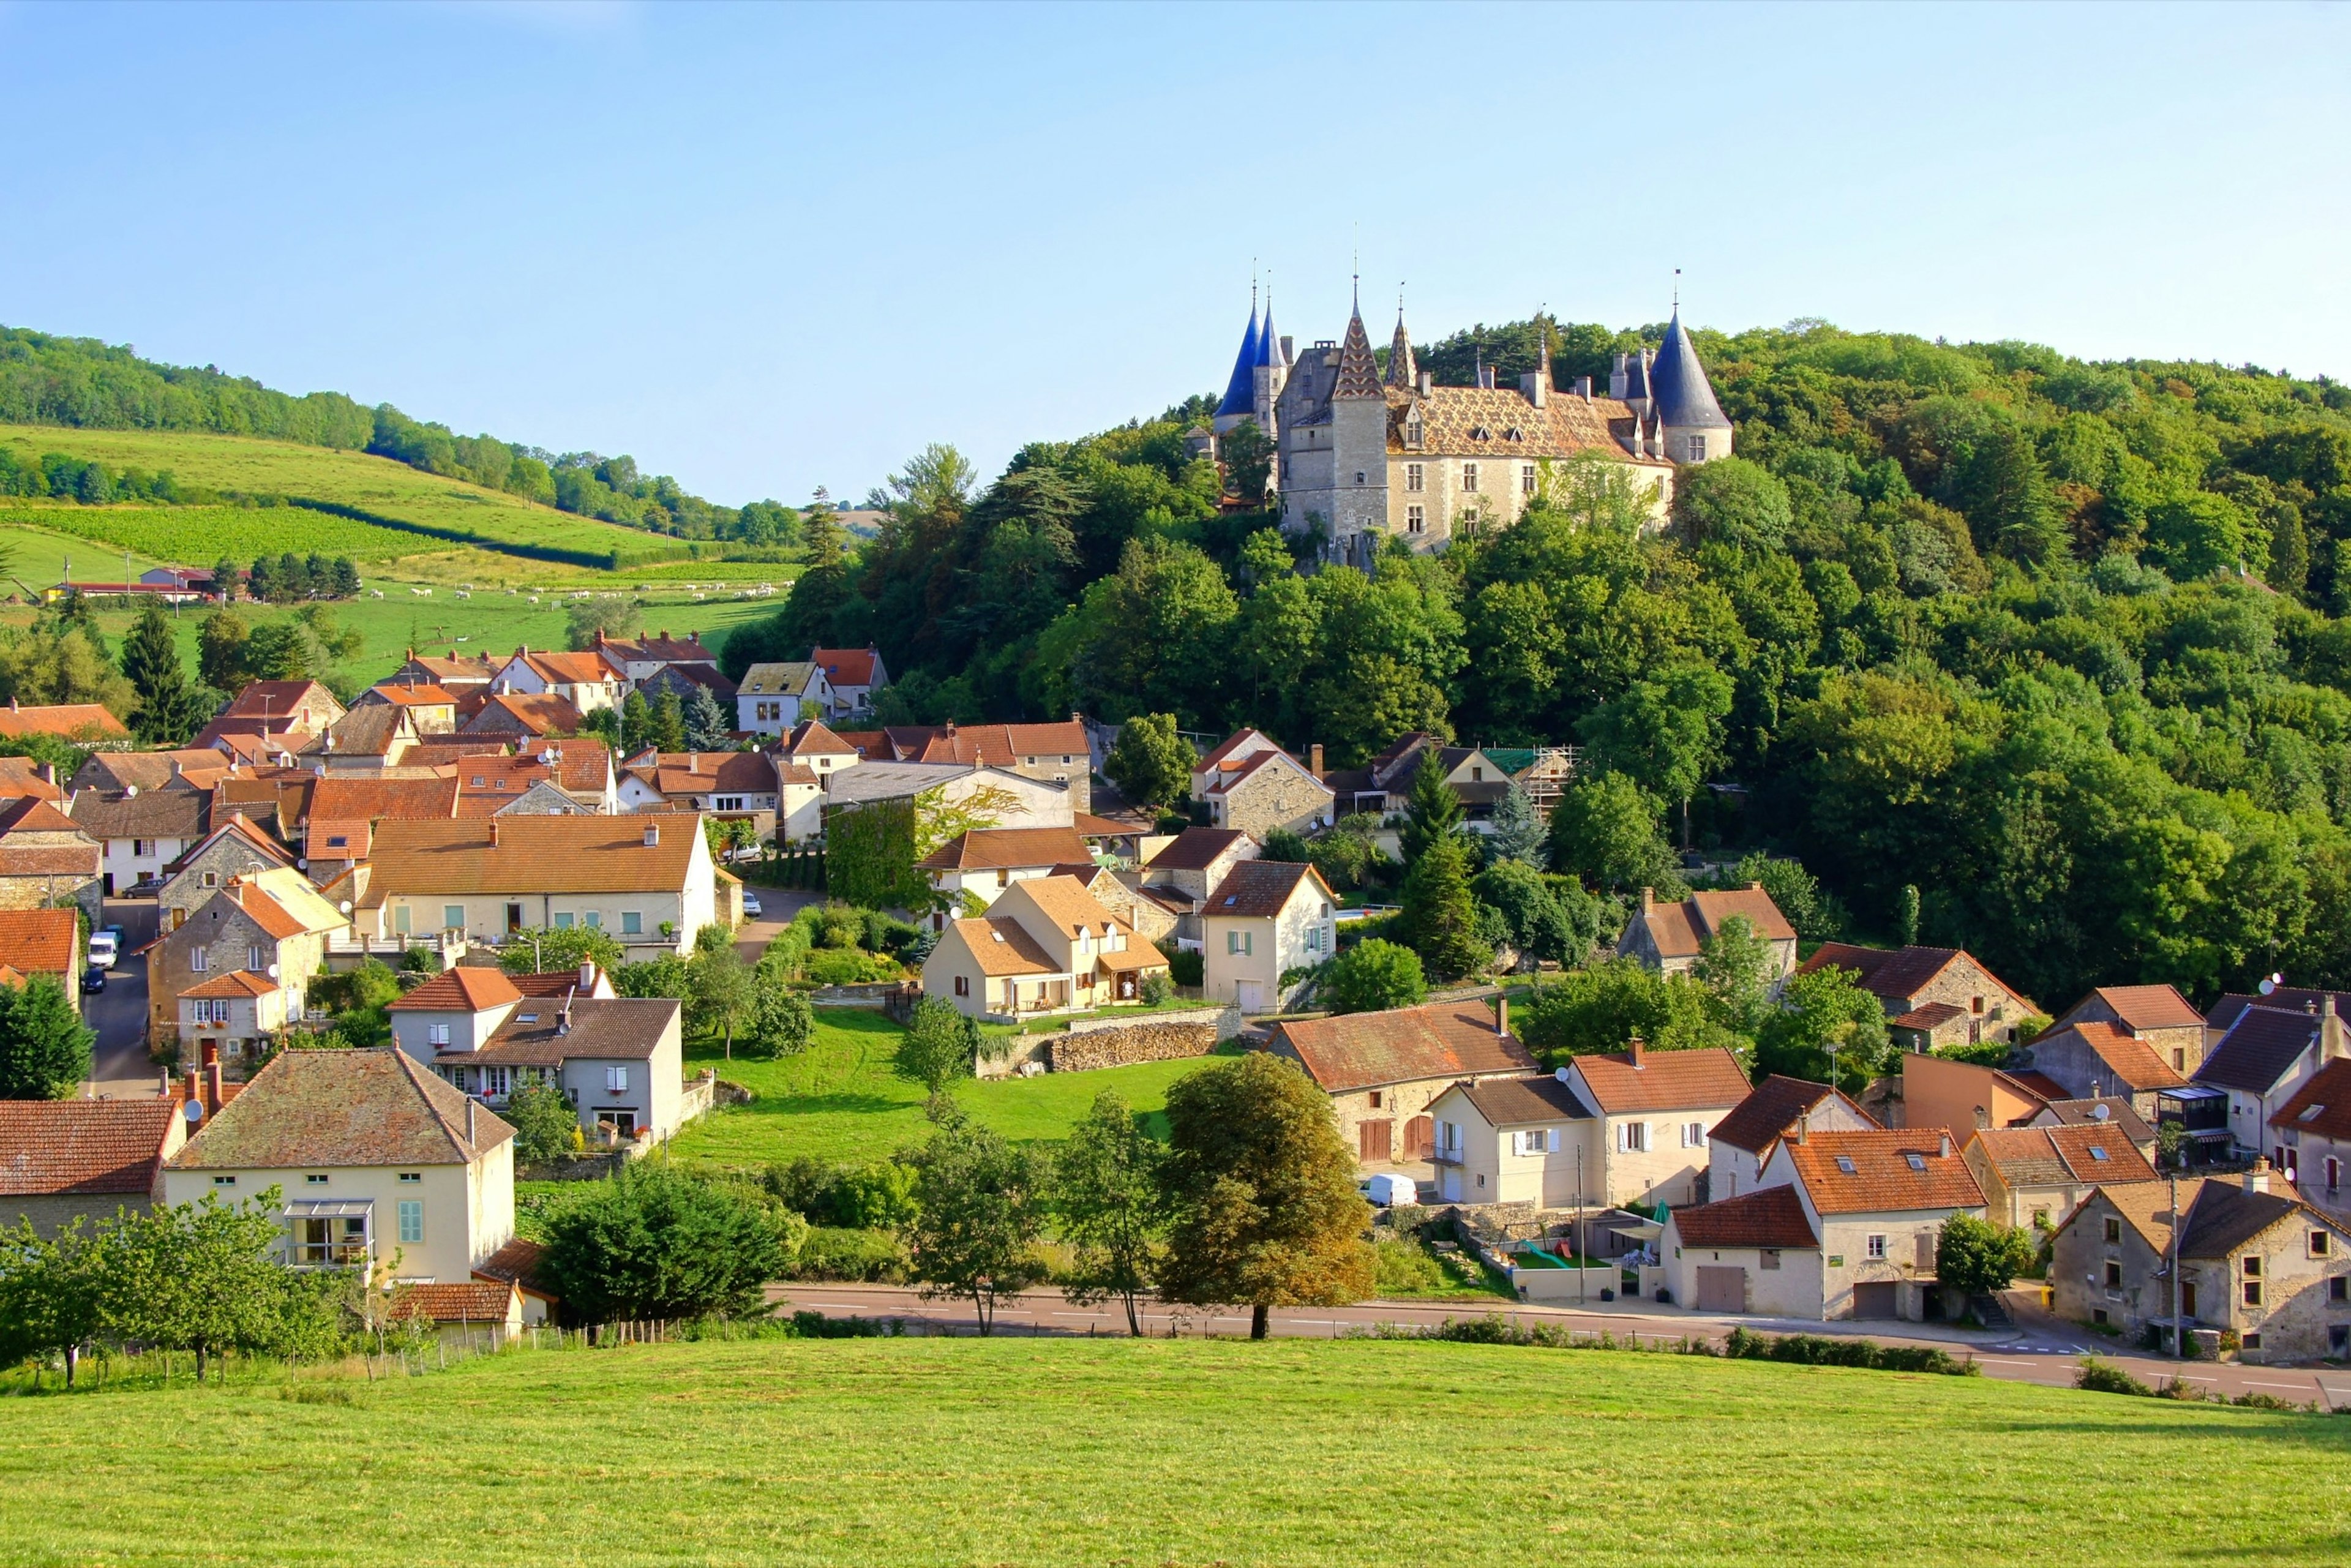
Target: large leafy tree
point(980, 1209)
point(1149, 762)
point(658, 1242)
point(45, 1048)
point(1372, 977)
point(1107, 1195)
point(1263, 1192)
point(1604, 831)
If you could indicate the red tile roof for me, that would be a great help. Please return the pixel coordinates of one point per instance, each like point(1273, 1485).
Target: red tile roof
point(53, 1147)
point(1404, 1045)
point(1758, 1121)
point(1677, 930)
point(1002, 849)
point(464, 989)
point(846, 666)
point(38, 941)
point(1665, 1081)
point(2149, 1007)
point(472, 1301)
point(2056, 1157)
point(73, 721)
point(236, 983)
point(2134, 1061)
point(1194, 849)
point(1772, 1217)
point(2321, 1105)
point(1259, 890)
point(1891, 1171)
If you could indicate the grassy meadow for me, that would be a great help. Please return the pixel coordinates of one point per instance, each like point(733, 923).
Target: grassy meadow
point(839, 1100)
point(1354, 1453)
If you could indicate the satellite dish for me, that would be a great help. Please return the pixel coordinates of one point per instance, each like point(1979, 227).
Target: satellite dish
point(345, 906)
point(193, 1110)
point(2270, 983)
point(273, 971)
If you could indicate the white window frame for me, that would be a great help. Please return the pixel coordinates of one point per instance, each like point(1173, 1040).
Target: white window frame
point(200, 961)
point(1633, 1137)
point(436, 1034)
point(1874, 1248)
point(1469, 478)
point(616, 1080)
point(1526, 478)
point(1415, 478)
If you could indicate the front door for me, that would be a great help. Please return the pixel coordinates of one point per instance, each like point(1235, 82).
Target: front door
point(1452, 1184)
point(1721, 1288)
point(1249, 995)
point(514, 919)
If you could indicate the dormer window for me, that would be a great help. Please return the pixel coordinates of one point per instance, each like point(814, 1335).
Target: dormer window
point(1481, 432)
point(1514, 434)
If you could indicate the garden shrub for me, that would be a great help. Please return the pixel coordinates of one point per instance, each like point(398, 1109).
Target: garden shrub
point(848, 966)
point(2105, 1377)
point(1186, 967)
point(833, 1252)
point(1406, 1265)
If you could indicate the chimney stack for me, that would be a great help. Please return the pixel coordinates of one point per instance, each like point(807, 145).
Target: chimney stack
point(211, 1089)
point(494, 833)
point(1805, 1126)
point(1502, 1015)
point(587, 973)
point(1583, 388)
point(1648, 899)
point(1944, 1149)
point(1633, 1050)
point(1427, 381)
point(2258, 1178)
point(653, 836)
point(211, 1054)
point(2330, 1030)
point(1314, 759)
point(469, 1119)
point(164, 1089)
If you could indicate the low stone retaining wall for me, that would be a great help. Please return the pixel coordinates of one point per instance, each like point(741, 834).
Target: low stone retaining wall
point(1153, 1041)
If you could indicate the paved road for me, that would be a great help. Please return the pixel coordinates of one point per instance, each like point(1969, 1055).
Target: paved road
point(777, 906)
point(2044, 1350)
point(119, 1014)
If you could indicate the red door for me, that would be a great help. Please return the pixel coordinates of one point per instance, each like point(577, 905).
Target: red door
point(1419, 1138)
point(1372, 1139)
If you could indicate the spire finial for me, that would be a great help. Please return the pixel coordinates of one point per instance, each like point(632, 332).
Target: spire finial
point(1677, 290)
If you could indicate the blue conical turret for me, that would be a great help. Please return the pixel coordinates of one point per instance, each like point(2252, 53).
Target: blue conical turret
point(1685, 399)
point(1241, 392)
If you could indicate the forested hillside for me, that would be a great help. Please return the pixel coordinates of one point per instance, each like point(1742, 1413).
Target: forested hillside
point(86, 384)
point(2056, 643)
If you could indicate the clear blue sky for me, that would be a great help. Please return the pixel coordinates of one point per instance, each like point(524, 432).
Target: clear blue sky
point(769, 248)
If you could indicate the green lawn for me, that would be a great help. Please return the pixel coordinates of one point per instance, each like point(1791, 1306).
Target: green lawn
point(839, 1100)
point(1302, 1453)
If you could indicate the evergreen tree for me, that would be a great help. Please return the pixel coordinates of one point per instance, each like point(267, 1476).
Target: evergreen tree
point(318, 572)
point(1440, 918)
point(1517, 834)
point(346, 578)
point(707, 725)
point(636, 724)
point(1432, 811)
point(2289, 570)
point(224, 578)
point(822, 532)
point(169, 710)
point(669, 722)
point(261, 583)
point(45, 1048)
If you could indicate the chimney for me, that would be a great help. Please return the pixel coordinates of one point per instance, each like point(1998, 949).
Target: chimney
point(1633, 1050)
point(212, 1089)
point(1287, 352)
point(1314, 759)
point(494, 833)
point(653, 836)
point(1648, 899)
point(1943, 1149)
point(165, 1088)
point(469, 1119)
point(2330, 1030)
point(1427, 383)
point(2094, 1087)
point(1805, 1126)
point(587, 973)
point(1502, 1015)
point(2258, 1178)
point(1534, 387)
point(1583, 388)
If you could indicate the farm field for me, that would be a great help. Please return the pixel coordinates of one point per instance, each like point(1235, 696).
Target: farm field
point(1304, 1453)
point(181, 534)
point(377, 484)
point(839, 1100)
point(37, 557)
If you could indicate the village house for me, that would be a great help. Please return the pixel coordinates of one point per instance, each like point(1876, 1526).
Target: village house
point(432, 709)
point(1050, 753)
point(339, 827)
point(457, 674)
point(232, 849)
point(476, 1313)
point(46, 859)
point(854, 675)
point(63, 1160)
point(648, 882)
point(42, 942)
point(140, 832)
point(1264, 922)
point(579, 767)
point(1176, 876)
point(272, 924)
point(589, 682)
point(1933, 996)
point(774, 698)
point(1045, 944)
point(367, 742)
point(459, 1009)
point(2035, 1176)
point(1874, 1201)
point(619, 1061)
point(751, 784)
point(525, 717)
point(119, 770)
point(988, 796)
point(639, 659)
point(2254, 1259)
point(83, 722)
point(817, 748)
point(1518, 1139)
point(1961, 1096)
point(970, 871)
point(1657, 1112)
point(1669, 937)
point(237, 1012)
point(2090, 1058)
point(1740, 1144)
point(1382, 785)
point(1252, 786)
point(1383, 1070)
point(377, 1162)
point(2107, 1112)
point(2267, 1054)
point(276, 709)
point(2310, 1137)
point(2156, 1016)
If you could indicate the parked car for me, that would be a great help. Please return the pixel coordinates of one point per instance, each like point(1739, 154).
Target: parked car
point(117, 931)
point(1387, 1189)
point(93, 980)
point(103, 950)
point(751, 903)
point(145, 887)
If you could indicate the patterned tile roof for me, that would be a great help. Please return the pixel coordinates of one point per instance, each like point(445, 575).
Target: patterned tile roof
point(1500, 424)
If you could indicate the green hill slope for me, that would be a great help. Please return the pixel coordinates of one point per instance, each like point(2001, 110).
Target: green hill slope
point(965, 1451)
point(375, 494)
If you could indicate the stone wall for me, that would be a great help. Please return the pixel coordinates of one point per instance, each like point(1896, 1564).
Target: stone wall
point(1121, 1047)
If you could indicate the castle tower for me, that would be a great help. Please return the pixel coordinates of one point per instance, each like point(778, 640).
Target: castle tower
point(1240, 391)
point(1359, 447)
point(1269, 374)
point(1401, 370)
point(1691, 426)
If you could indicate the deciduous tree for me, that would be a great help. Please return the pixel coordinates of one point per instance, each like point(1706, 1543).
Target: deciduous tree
point(980, 1210)
point(1107, 1194)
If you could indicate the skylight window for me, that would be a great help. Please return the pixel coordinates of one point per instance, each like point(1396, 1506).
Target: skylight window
point(1845, 1163)
point(2096, 1152)
point(526, 1018)
point(1918, 1162)
point(2310, 1113)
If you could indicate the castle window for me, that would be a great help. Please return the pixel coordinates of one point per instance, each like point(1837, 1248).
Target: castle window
point(1526, 478)
point(1415, 520)
point(1470, 476)
point(1697, 448)
point(1359, 476)
point(1414, 478)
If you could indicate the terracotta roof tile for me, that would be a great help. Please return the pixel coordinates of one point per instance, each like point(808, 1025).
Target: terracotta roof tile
point(1001, 947)
point(468, 989)
point(2058, 1156)
point(1194, 849)
point(2321, 1105)
point(325, 1108)
point(517, 1263)
point(53, 1147)
point(72, 721)
point(2150, 1006)
point(511, 713)
point(1759, 1121)
point(1665, 1080)
point(468, 1302)
point(2134, 1061)
point(39, 941)
point(1261, 889)
point(846, 666)
point(810, 738)
point(1002, 849)
point(1404, 1045)
point(236, 983)
point(1890, 1171)
point(538, 854)
point(1772, 1217)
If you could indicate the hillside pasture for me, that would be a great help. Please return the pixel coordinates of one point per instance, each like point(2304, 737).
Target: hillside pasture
point(200, 535)
point(1297, 1452)
point(378, 486)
